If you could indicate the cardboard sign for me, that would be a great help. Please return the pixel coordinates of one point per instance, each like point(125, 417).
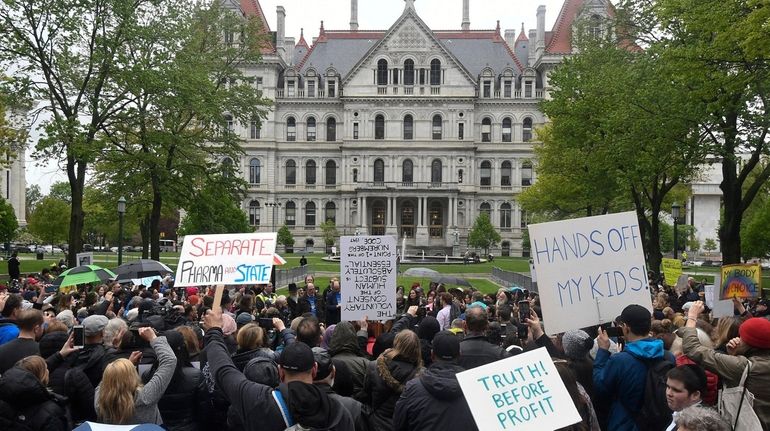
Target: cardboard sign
point(588, 269)
point(522, 393)
point(741, 281)
point(229, 259)
point(672, 269)
point(85, 258)
point(719, 307)
point(368, 277)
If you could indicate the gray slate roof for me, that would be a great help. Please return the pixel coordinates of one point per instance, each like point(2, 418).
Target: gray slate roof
point(341, 54)
point(477, 54)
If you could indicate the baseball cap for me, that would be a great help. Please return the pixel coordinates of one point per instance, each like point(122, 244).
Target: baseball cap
point(94, 324)
point(324, 361)
point(297, 357)
point(446, 346)
point(244, 319)
point(637, 318)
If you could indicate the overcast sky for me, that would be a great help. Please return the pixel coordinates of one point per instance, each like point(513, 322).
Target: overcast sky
point(372, 15)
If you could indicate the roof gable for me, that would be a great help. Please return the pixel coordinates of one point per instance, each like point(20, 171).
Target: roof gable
point(252, 9)
point(560, 41)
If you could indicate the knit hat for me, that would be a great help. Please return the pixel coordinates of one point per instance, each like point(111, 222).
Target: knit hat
point(756, 332)
point(193, 299)
point(244, 319)
point(446, 346)
point(228, 325)
point(577, 344)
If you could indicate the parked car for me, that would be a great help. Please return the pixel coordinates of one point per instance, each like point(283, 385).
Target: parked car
point(88, 247)
point(29, 248)
point(49, 249)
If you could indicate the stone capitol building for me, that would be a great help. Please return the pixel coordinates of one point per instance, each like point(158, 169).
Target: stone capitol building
point(408, 131)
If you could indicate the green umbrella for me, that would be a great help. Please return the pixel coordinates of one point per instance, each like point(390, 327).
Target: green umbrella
point(83, 275)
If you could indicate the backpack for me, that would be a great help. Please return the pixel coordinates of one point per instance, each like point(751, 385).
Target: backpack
point(654, 413)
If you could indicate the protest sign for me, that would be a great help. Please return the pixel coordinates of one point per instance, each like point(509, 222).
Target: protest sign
point(588, 269)
point(672, 269)
point(368, 277)
point(719, 307)
point(682, 284)
point(740, 281)
point(85, 258)
point(228, 259)
point(523, 393)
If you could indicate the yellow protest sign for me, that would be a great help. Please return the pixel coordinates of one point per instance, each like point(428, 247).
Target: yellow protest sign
point(741, 281)
point(672, 269)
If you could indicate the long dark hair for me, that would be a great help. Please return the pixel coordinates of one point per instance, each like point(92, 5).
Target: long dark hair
point(570, 382)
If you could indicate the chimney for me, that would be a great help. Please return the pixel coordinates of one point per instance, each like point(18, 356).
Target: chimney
point(510, 37)
point(540, 28)
point(280, 31)
point(354, 15)
point(532, 46)
point(289, 44)
point(466, 25)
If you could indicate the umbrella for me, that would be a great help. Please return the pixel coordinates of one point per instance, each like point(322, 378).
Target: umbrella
point(82, 275)
point(420, 272)
point(448, 279)
point(278, 260)
point(141, 268)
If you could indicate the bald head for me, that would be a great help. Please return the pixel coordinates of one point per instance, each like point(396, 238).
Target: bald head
point(476, 319)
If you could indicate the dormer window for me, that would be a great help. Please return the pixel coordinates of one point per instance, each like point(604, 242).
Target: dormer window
point(595, 27)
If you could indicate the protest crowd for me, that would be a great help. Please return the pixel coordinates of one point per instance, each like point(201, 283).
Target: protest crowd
point(167, 356)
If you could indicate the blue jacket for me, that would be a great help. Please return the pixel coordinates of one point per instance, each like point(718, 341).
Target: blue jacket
point(8, 331)
point(619, 380)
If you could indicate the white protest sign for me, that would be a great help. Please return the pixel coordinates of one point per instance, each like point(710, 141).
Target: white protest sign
point(588, 269)
point(522, 393)
point(368, 277)
point(719, 307)
point(228, 259)
point(85, 258)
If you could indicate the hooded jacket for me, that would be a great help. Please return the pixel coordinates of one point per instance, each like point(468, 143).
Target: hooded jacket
point(619, 380)
point(24, 400)
point(434, 401)
point(344, 347)
point(476, 350)
point(255, 404)
point(385, 381)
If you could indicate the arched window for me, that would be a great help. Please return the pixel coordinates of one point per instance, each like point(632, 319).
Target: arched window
point(331, 173)
point(524, 219)
point(291, 172)
point(330, 212)
point(355, 175)
point(379, 127)
point(486, 173)
point(486, 130)
point(437, 127)
point(435, 171)
point(526, 174)
point(310, 168)
point(254, 130)
point(291, 214)
point(507, 135)
point(527, 130)
point(309, 214)
point(227, 167)
point(291, 129)
point(408, 72)
point(435, 72)
point(229, 123)
point(255, 171)
point(331, 130)
point(505, 174)
point(407, 172)
point(311, 129)
point(505, 216)
point(408, 127)
point(254, 213)
point(382, 72)
point(485, 208)
point(379, 171)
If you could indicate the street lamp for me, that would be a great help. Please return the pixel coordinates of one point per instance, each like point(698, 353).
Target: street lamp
point(273, 205)
point(121, 213)
point(456, 234)
point(675, 214)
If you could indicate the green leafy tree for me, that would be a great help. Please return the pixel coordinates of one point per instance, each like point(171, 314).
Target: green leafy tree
point(329, 232)
point(8, 222)
point(50, 220)
point(710, 244)
point(285, 238)
point(32, 196)
point(483, 234)
point(61, 190)
point(214, 210)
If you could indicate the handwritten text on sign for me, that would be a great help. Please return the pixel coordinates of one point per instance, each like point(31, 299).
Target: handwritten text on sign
point(368, 277)
point(741, 281)
point(588, 269)
point(523, 392)
point(229, 259)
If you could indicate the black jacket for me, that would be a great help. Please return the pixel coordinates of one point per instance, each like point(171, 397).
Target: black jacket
point(476, 350)
point(320, 307)
point(332, 311)
point(385, 381)
point(178, 404)
point(358, 412)
point(24, 400)
point(255, 405)
point(72, 382)
point(434, 401)
point(90, 359)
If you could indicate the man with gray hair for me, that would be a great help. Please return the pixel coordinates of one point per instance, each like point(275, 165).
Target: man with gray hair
point(113, 332)
point(697, 418)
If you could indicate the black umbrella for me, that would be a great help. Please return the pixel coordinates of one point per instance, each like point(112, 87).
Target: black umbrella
point(140, 269)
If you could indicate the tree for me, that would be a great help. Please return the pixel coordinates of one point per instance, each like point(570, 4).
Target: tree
point(32, 196)
point(329, 233)
point(285, 238)
point(61, 190)
point(710, 245)
point(50, 220)
point(8, 222)
point(483, 234)
point(66, 55)
point(214, 210)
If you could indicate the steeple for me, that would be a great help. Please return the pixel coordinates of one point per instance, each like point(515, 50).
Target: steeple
point(409, 5)
point(522, 36)
point(466, 24)
point(302, 41)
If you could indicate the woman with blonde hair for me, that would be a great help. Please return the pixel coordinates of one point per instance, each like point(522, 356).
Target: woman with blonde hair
point(24, 388)
point(121, 399)
point(387, 376)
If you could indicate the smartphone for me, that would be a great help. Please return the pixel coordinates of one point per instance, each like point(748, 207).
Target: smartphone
point(523, 311)
point(612, 331)
point(79, 335)
point(266, 322)
point(50, 288)
point(139, 342)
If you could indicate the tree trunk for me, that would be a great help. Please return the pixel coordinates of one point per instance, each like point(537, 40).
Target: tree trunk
point(730, 230)
point(157, 203)
point(144, 232)
point(654, 255)
point(76, 173)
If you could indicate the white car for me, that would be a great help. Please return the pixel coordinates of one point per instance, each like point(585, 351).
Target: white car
point(49, 249)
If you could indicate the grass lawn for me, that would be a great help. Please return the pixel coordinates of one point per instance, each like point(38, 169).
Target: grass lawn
point(515, 264)
point(484, 285)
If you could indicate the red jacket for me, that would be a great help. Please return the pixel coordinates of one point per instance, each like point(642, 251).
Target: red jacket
point(712, 381)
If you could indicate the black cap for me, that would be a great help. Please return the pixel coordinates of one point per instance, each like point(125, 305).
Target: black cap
point(297, 357)
point(637, 318)
point(262, 370)
point(324, 361)
point(446, 346)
